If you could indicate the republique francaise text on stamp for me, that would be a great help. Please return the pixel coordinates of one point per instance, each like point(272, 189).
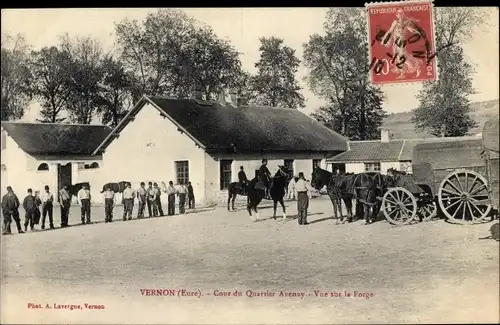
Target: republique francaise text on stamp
point(401, 42)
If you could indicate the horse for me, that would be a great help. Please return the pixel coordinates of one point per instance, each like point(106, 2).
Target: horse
point(278, 190)
point(257, 191)
point(335, 186)
point(115, 187)
point(234, 189)
point(364, 189)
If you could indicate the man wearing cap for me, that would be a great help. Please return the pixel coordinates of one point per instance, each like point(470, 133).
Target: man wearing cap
point(128, 201)
point(302, 188)
point(190, 196)
point(10, 206)
point(109, 203)
point(47, 207)
point(141, 197)
point(29, 205)
point(171, 191)
point(181, 192)
point(242, 180)
point(151, 199)
point(84, 197)
point(265, 176)
point(158, 199)
point(65, 201)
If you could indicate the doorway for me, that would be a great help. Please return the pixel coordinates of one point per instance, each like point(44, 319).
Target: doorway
point(63, 176)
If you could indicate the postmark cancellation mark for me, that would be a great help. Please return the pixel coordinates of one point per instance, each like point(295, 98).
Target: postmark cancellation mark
point(401, 42)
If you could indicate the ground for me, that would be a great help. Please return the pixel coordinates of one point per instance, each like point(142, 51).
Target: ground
point(428, 272)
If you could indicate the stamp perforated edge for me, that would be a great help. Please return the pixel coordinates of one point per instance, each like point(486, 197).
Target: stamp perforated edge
point(406, 83)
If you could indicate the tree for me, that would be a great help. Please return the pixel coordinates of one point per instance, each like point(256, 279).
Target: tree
point(15, 77)
point(171, 54)
point(85, 75)
point(50, 84)
point(338, 72)
point(275, 83)
point(115, 92)
point(444, 108)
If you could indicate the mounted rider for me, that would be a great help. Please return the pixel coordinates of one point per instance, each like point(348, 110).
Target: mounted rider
point(265, 176)
point(242, 180)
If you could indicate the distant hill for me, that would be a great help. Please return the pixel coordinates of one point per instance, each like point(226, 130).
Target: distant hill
point(401, 128)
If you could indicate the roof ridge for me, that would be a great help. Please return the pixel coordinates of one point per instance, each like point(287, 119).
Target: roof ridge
point(63, 124)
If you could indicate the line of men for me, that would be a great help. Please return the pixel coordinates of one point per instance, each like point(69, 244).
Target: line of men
point(149, 197)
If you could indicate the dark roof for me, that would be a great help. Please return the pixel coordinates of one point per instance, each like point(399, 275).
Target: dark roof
point(370, 151)
point(407, 152)
point(217, 127)
point(56, 139)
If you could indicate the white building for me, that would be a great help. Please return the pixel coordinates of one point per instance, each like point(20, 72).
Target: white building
point(206, 142)
point(381, 155)
point(37, 154)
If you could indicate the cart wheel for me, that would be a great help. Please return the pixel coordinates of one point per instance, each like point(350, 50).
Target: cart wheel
point(399, 206)
point(428, 211)
point(464, 198)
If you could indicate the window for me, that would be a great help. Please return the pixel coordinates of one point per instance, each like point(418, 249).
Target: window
point(288, 164)
point(372, 167)
point(43, 167)
point(182, 172)
point(316, 163)
point(225, 173)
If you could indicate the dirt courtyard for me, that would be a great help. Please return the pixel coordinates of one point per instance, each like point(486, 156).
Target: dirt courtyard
point(430, 272)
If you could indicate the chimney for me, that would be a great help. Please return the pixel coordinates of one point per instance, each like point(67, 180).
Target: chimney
point(234, 98)
point(385, 135)
point(197, 93)
point(243, 101)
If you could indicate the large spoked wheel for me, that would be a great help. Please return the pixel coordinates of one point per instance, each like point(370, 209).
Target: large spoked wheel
point(399, 206)
point(464, 197)
point(428, 211)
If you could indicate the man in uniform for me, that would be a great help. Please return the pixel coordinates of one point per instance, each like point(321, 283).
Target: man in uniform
point(83, 197)
point(171, 191)
point(190, 196)
point(109, 203)
point(181, 192)
point(128, 201)
point(10, 206)
point(141, 197)
point(65, 201)
point(158, 199)
point(29, 205)
point(302, 188)
point(151, 199)
point(37, 213)
point(242, 179)
point(47, 207)
point(265, 176)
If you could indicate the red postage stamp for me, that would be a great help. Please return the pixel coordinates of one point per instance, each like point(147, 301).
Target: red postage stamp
point(401, 42)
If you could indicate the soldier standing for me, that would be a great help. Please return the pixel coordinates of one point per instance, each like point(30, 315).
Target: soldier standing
point(37, 213)
point(190, 196)
point(109, 203)
point(65, 201)
point(141, 197)
point(83, 197)
point(128, 202)
point(47, 207)
point(10, 206)
point(302, 188)
point(158, 199)
point(181, 192)
point(29, 205)
point(151, 196)
point(171, 191)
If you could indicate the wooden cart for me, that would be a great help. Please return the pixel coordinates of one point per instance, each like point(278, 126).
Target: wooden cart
point(458, 178)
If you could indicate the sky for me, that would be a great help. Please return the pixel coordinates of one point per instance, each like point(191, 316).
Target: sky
point(243, 27)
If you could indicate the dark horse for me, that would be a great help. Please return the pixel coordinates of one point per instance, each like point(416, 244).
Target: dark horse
point(336, 186)
point(347, 187)
point(256, 192)
point(234, 189)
